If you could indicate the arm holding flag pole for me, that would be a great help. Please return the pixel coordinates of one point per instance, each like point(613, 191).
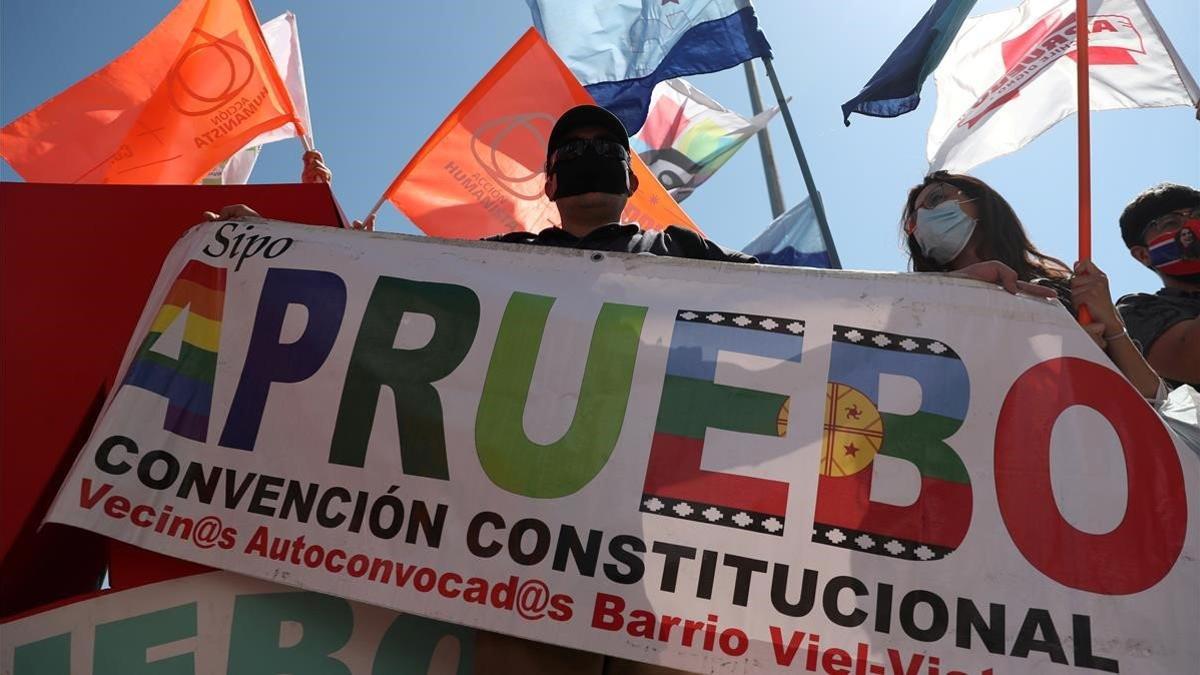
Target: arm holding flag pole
point(1106, 327)
point(818, 205)
point(368, 223)
point(1089, 287)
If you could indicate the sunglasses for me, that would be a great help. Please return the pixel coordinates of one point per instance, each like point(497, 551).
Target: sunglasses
point(579, 147)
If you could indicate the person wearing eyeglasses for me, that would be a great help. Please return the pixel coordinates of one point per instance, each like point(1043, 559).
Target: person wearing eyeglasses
point(1161, 227)
point(589, 177)
point(953, 223)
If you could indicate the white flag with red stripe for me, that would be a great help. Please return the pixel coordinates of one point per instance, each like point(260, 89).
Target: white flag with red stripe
point(1010, 75)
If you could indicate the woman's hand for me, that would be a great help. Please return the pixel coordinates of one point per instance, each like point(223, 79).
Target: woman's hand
point(1089, 286)
point(996, 272)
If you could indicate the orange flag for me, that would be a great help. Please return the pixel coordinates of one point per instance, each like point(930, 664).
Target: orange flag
point(481, 173)
point(186, 97)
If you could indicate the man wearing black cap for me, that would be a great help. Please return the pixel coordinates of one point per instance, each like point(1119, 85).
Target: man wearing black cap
point(589, 177)
point(1157, 226)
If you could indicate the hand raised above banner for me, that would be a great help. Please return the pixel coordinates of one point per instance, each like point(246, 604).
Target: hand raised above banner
point(996, 272)
point(232, 212)
point(315, 169)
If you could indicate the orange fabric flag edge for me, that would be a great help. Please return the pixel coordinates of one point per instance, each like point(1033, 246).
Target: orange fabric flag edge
point(651, 204)
point(160, 112)
point(473, 97)
point(260, 44)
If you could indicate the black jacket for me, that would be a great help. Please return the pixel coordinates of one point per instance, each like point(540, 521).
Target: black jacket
point(675, 241)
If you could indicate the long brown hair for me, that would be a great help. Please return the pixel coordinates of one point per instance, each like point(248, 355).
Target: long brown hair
point(999, 232)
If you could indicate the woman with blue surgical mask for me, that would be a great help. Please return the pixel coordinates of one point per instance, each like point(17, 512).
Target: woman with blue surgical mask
point(953, 221)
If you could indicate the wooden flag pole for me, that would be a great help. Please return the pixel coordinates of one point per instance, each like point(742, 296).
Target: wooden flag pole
point(1083, 116)
point(375, 209)
point(818, 205)
point(1084, 146)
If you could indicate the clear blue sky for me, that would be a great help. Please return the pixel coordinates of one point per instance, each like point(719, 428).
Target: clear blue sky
point(382, 76)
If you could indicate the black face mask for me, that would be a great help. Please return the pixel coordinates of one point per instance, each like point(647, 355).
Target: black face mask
point(590, 172)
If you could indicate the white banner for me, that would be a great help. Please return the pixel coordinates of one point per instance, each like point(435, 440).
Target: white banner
point(709, 466)
point(1010, 75)
point(220, 624)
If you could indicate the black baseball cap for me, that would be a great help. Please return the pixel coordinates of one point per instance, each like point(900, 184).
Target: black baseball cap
point(586, 116)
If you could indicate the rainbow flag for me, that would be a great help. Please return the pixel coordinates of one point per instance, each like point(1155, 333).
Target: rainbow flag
point(688, 136)
point(186, 380)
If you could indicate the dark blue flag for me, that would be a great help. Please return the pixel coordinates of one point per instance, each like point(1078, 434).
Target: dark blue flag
point(896, 87)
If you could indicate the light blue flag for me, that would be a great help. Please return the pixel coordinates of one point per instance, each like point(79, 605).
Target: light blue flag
point(620, 49)
point(792, 239)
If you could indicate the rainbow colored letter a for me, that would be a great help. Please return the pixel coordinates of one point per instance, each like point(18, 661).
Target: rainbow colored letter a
point(186, 381)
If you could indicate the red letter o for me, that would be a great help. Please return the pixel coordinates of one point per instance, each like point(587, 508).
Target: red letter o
point(1145, 545)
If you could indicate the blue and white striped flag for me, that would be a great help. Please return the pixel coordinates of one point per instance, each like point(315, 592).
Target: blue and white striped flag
point(620, 49)
point(793, 239)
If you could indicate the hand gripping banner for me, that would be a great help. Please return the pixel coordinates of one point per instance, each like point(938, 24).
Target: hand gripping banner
point(701, 465)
